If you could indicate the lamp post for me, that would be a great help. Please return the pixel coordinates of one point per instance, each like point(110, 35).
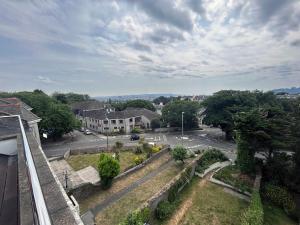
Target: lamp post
point(182, 128)
point(107, 133)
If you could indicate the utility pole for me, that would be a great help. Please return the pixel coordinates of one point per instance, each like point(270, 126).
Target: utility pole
point(182, 128)
point(107, 134)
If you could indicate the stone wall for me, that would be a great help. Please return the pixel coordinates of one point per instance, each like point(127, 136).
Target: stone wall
point(183, 178)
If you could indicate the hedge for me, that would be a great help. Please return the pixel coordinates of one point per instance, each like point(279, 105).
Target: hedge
point(137, 217)
point(254, 215)
point(280, 197)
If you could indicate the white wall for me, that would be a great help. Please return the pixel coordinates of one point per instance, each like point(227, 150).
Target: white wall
point(8, 147)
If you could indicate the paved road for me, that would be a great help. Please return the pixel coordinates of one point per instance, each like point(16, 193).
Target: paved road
point(200, 139)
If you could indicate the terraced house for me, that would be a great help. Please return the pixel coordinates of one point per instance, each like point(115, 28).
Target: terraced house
point(109, 121)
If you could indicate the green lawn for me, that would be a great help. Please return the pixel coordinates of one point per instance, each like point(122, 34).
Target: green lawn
point(231, 175)
point(276, 216)
point(78, 162)
point(210, 205)
point(115, 213)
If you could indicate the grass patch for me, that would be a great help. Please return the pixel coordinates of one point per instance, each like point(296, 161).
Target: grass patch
point(78, 162)
point(210, 206)
point(276, 216)
point(231, 175)
point(115, 213)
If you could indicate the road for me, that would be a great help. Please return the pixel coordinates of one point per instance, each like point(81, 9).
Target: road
point(199, 139)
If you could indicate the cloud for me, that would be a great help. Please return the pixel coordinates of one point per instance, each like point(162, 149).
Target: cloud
point(161, 35)
point(145, 58)
point(141, 47)
point(197, 6)
point(168, 12)
point(46, 80)
point(296, 43)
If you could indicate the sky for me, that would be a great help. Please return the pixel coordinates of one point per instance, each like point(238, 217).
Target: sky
point(106, 47)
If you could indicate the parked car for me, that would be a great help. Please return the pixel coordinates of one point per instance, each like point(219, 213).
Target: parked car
point(134, 137)
point(82, 129)
point(87, 132)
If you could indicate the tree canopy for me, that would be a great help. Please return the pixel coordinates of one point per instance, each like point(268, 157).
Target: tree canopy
point(138, 103)
point(108, 169)
point(69, 98)
point(162, 99)
point(57, 118)
point(172, 112)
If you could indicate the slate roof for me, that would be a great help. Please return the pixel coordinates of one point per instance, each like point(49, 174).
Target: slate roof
point(101, 114)
point(14, 106)
point(87, 105)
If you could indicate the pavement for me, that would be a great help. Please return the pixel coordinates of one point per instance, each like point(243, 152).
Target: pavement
point(193, 140)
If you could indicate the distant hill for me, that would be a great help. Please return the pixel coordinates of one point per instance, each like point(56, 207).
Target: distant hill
point(292, 91)
point(149, 97)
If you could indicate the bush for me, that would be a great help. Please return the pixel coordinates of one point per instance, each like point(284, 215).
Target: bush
point(138, 160)
point(155, 149)
point(108, 169)
point(179, 153)
point(137, 217)
point(136, 130)
point(280, 197)
point(138, 150)
point(210, 157)
point(164, 210)
point(254, 215)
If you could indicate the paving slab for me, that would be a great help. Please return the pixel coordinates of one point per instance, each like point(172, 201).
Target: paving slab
point(89, 174)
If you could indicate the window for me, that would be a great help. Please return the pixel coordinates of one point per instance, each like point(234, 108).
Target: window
point(115, 128)
point(105, 128)
point(105, 121)
point(130, 120)
point(113, 121)
point(120, 121)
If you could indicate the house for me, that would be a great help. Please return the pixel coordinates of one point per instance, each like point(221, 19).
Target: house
point(109, 121)
point(78, 107)
point(14, 106)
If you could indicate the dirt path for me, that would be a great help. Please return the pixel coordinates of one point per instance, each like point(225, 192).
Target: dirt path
point(184, 207)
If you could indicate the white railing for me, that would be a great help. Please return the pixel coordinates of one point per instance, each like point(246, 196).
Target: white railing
point(39, 201)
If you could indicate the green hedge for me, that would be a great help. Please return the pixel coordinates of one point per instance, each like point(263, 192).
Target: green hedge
point(210, 157)
point(137, 217)
point(164, 210)
point(254, 215)
point(280, 197)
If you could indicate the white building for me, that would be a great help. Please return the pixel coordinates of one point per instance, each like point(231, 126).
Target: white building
point(107, 121)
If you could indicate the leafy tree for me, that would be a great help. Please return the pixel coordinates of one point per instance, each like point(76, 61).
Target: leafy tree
point(222, 106)
point(108, 168)
point(138, 103)
point(171, 114)
point(155, 123)
point(162, 99)
point(69, 98)
point(57, 119)
point(179, 153)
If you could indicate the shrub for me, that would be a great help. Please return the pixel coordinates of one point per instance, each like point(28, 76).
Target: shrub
point(155, 149)
point(138, 160)
point(108, 169)
point(138, 150)
point(280, 197)
point(137, 217)
point(179, 153)
point(136, 130)
point(164, 210)
point(210, 157)
point(133, 218)
point(254, 215)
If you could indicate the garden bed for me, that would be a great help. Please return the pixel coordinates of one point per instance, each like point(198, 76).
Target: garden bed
point(210, 157)
point(231, 175)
